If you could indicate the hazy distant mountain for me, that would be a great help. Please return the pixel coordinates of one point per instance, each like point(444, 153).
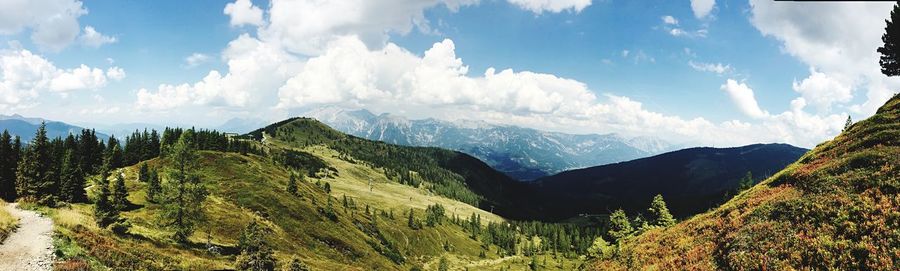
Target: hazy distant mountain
point(522, 153)
point(25, 127)
point(691, 180)
point(241, 125)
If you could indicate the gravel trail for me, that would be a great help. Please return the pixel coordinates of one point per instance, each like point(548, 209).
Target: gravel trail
point(30, 247)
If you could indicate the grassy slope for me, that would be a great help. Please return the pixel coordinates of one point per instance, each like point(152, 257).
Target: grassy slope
point(838, 207)
point(251, 187)
point(8, 223)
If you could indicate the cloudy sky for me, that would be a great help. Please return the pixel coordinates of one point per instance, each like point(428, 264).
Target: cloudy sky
point(719, 73)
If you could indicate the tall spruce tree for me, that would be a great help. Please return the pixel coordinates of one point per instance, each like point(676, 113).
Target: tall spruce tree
point(104, 212)
point(154, 188)
point(890, 51)
point(292, 184)
point(143, 173)
point(119, 193)
point(659, 213)
point(183, 190)
point(8, 161)
point(33, 174)
point(71, 179)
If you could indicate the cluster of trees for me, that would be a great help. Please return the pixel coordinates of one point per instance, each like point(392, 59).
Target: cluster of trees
point(621, 228)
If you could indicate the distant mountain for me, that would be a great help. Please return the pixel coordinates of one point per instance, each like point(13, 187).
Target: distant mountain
point(25, 127)
point(691, 180)
point(241, 125)
point(521, 153)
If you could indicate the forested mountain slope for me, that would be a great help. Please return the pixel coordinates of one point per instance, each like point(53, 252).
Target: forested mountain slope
point(692, 180)
point(837, 208)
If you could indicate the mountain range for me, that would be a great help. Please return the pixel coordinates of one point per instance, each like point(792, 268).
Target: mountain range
point(24, 127)
point(522, 153)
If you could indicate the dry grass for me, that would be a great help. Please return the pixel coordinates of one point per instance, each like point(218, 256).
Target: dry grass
point(8, 223)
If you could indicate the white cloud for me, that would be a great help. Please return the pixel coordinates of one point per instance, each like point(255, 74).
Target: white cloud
point(822, 37)
point(822, 90)
point(115, 73)
point(702, 8)
point(254, 69)
point(243, 12)
point(195, 59)
point(92, 38)
point(26, 75)
point(555, 6)
point(53, 23)
point(743, 98)
point(717, 68)
point(668, 19)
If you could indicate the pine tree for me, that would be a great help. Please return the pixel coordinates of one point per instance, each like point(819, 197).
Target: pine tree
point(8, 163)
point(620, 228)
point(292, 185)
point(443, 264)
point(848, 123)
point(660, 213)
point(411, 220)
point(890, 51)
point(256, 253)
point(71, 179)
point(104, 212)
point(143, 173)
point(183, 191)
point(154, 188)
point(119, 193)
point(327, 188)
point(600, 249)
point(33, 174)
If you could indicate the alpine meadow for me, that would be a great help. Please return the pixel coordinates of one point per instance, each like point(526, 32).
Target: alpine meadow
point(449, 135)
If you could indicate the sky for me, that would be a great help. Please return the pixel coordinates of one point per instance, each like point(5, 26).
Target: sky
point(714, 73)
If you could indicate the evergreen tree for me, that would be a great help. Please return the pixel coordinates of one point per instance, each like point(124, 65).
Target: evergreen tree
point(660, 213)
point(183, 191)
point(292, 186)
point(119, 193)
point(848, 123)
point(33, 174)
point(890, 51)
point(256, 254)
point(443, 264)
point(746, 182)
point(411, 220)
point(143, 173)
point(8, 162)
point(327, 188)
point(104, 212)
point(113, 158)
point(620, 228)
point(71, 179)
point(534, 264)
point(154, 188)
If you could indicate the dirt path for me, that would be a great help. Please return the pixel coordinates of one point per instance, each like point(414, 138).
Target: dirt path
point(30, 247)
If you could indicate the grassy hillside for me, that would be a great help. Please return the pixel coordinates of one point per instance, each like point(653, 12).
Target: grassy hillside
point(448, 173)
point(245, 188)
point(7, 222)
point(837, 208)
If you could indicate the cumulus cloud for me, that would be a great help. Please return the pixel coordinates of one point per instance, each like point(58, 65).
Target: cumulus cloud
point(702, 8)
point(91, 38)
point(822, 90)
point(717, 68)
point(254, 68)
point(743, 98)
point(821, 36)
point(195, 59)
point(53, 23)
point(555, 6)
point(243, 12)
point(25, 75)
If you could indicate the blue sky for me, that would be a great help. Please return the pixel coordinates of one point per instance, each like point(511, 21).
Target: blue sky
point(707, 72)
